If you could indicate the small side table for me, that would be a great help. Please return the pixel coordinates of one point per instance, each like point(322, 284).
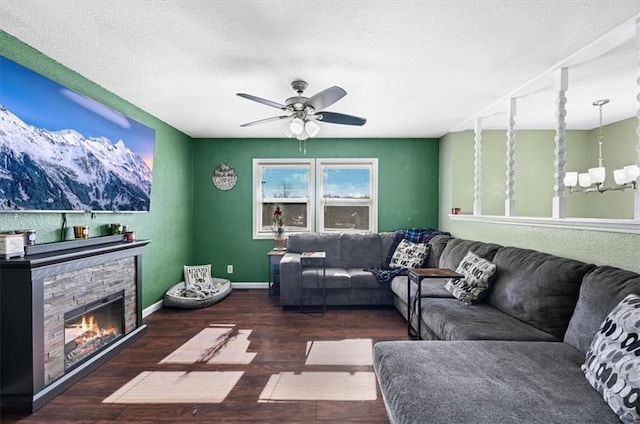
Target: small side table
point(274, 256)
point(314, 259)
point(416, 275)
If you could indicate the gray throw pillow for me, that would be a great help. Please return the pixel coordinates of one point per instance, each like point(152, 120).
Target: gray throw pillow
point(612, 365)
point(409, 255)
point(477, 272)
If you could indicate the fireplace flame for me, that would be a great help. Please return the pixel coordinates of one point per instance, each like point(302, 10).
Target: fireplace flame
point(90, 329)
point(83, 334)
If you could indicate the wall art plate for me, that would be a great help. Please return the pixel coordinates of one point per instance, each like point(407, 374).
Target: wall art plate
point(224, 177)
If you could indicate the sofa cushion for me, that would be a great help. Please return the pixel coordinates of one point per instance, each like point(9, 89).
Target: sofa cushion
point(473, 287)
point(612, 366)
point(318, 242)
point(486, 382)
point(334, 278)
point(450, 319)
point(387, 239)
point(361, 279)
point(361, 250)
point(456, 249)
point(537, 288)
point(602, 289)
point(436, 246)
point(409, 255)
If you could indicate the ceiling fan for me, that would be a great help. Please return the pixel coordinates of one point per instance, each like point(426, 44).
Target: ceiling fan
point(305, 112)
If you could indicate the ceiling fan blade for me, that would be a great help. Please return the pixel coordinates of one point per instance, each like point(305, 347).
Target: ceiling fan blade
point(325, 98)
point(263, 101)
point(339, 118)
point(265, 120)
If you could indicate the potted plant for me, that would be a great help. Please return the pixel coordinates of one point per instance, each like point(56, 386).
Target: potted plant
point(278, 228)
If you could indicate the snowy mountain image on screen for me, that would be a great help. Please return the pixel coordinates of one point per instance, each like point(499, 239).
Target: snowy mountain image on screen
point(64, 170)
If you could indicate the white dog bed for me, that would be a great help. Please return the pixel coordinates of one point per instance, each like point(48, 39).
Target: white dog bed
point(175, 296)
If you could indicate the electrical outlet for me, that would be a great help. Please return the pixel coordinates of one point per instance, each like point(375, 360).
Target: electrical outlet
point(229, 269)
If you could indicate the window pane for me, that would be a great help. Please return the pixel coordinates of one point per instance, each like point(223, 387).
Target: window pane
point(283, 182)
point(346, 217)
point(347, 183)
point(294, 215)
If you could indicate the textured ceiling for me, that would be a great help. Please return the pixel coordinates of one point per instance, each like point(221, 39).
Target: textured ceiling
point(412, 68)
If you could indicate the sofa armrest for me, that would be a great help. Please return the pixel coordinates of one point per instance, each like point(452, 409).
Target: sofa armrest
point(290, 279)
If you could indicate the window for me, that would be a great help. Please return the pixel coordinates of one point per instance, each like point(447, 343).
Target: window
point(321, 195)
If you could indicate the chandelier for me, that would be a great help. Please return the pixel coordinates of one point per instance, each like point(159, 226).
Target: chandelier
point(593, 179)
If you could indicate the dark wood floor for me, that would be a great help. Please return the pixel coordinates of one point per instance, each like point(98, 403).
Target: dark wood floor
point(278, 336)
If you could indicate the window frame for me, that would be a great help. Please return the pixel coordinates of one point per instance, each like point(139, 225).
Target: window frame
point(321, 202)
point(258, 200)
point(315, 201)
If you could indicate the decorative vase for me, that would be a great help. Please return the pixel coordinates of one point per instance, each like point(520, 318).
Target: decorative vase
point(280, 243)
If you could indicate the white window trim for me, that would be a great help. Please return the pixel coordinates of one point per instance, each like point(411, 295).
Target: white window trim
point(315, 192)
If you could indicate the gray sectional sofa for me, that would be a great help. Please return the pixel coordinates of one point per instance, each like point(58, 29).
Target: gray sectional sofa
point(347, 283)
point(515, 357)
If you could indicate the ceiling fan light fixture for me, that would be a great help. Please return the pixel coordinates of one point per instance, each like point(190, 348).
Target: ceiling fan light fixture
point(311, 128)
point(296, 126)
point(302, 136)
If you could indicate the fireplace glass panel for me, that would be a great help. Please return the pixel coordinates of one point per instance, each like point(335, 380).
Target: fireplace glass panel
point(91, 328)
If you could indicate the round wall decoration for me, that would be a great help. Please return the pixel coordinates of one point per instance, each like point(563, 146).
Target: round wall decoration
point(224, 177)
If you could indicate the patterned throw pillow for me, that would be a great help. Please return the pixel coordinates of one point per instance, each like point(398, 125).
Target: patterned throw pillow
point(477, 272)
point(409, 255)
point(613, 360)
point(197, 277)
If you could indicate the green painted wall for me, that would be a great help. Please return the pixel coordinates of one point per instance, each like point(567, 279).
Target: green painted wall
point(456, 189)
point(407, 186)
point(168, 224)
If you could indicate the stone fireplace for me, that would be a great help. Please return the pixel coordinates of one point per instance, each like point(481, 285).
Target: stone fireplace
point(66, 308)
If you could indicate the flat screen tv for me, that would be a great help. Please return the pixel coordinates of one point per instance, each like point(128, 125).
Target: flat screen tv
point(62, 151)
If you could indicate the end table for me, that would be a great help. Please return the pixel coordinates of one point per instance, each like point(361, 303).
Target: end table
point(274, 256)
point(314, 259)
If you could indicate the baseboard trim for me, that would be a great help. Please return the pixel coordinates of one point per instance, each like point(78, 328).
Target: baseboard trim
point(247, 286)
point(238, 286)
point(151, 309)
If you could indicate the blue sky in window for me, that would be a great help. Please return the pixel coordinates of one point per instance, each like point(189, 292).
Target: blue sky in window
point(285, 182)
point(347, 183)
point(43, 103)
point(338, 182)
